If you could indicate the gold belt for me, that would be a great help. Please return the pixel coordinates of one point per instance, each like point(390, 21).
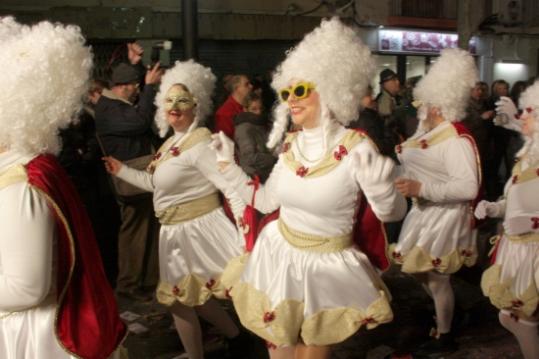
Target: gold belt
point(525, 237)
point(189, 210)
point(314, 243)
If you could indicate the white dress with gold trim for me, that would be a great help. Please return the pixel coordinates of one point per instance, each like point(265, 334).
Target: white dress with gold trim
point(197, 241)
point(512, 282)
point(27, 281)
point(437, 232)
point(304, 280)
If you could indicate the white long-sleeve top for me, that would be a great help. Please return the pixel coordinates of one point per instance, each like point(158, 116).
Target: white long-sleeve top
point(26, 243)
point(191, 175)
point(322, 205)
point(447, 171)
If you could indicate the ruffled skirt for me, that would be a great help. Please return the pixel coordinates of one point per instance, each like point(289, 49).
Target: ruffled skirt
point(512, 282)
point(286, 293)
point(436, 237)
point(193, 256)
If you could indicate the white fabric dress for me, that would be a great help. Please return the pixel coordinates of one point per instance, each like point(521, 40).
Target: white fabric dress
point(437, 232)
point(27, 265)
point(287, 292)
point(192, 254)
point(512, 282)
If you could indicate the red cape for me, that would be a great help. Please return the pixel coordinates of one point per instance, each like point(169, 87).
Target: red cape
point(87, 322)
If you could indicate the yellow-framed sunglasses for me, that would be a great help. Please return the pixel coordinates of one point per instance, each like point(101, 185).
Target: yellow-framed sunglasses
point(300, 90)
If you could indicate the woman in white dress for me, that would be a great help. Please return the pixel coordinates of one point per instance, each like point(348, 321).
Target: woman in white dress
point(305, 285)
point(197, 241)
point(55, 301)
point(512, 281)
point(441, 175)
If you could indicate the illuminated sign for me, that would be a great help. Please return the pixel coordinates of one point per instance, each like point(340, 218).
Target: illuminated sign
point(418, 41)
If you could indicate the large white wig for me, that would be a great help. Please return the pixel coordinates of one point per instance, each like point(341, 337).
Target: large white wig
point(529, 99)
point(199, 80)
point(45, 73)
point(336, 61)
point(448, 83)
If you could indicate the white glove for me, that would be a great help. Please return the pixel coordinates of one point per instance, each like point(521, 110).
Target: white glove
point(373, 172)
point(486, 209)
point(506, 112)
point(223, 147)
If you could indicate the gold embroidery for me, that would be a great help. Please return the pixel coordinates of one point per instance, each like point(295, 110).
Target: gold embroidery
point(525, 237)
point(418, 260)
point(330, 161)
point(502, 297)
point(441, 136)
point(13, 174)
point(167, 150)
point(283, 324)
point(520, 176)
point(314, 243)
point(189, 210)
point(330, 326)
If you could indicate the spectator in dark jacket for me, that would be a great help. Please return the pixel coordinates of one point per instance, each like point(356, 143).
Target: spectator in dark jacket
point(124, 130)
point(370, 121)
point(250, 136)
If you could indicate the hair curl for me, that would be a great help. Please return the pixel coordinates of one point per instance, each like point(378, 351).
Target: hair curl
point(45, 73)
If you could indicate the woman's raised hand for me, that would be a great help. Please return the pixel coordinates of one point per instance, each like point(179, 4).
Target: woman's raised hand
point(223, 147)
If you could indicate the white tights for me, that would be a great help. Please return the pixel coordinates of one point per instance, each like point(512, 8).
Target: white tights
point(438, 286)
point(526, 333)
point(188, 325)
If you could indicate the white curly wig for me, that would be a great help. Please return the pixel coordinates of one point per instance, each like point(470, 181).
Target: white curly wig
point(334, 58)
point(45, 73)
point(530, 99)
point(199, 80)
point(448, 83)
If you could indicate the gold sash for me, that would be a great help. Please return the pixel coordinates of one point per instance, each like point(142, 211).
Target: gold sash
point(426, 141)
point(314, 243)
point(189, 210)
point(525, 237)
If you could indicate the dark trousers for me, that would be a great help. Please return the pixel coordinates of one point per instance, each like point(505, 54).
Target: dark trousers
point(137, 245)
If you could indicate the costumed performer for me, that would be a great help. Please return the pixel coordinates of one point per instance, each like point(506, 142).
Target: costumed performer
point(441, 173)
point(306, 285)
point(197, 240)
point(55, 301)
point(512, 281)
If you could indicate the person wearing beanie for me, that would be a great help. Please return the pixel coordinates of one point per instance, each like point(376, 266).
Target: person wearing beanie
point(389, 89)
point(124, 130)
point(197, 241)
point(306, 285)
point(55, 301)
point(441, 174)
point(512, 282)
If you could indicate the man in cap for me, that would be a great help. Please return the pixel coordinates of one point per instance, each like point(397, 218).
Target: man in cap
point(124, 131)
point(387, 98)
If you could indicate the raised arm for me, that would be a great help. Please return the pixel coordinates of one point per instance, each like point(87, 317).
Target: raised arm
point(266, 199)
point(375, 174)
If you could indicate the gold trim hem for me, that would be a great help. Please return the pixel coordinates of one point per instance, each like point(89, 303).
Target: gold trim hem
point(502, 297)
point(418, 260)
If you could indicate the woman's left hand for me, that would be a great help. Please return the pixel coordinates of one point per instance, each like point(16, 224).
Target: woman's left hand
point(112, 165)
point(408, 187)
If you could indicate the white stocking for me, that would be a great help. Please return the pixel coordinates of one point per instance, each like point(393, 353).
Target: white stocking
point(212, 312)
point(525, 332)
point(282, 353)
point(188, 327)
point(444, 300)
